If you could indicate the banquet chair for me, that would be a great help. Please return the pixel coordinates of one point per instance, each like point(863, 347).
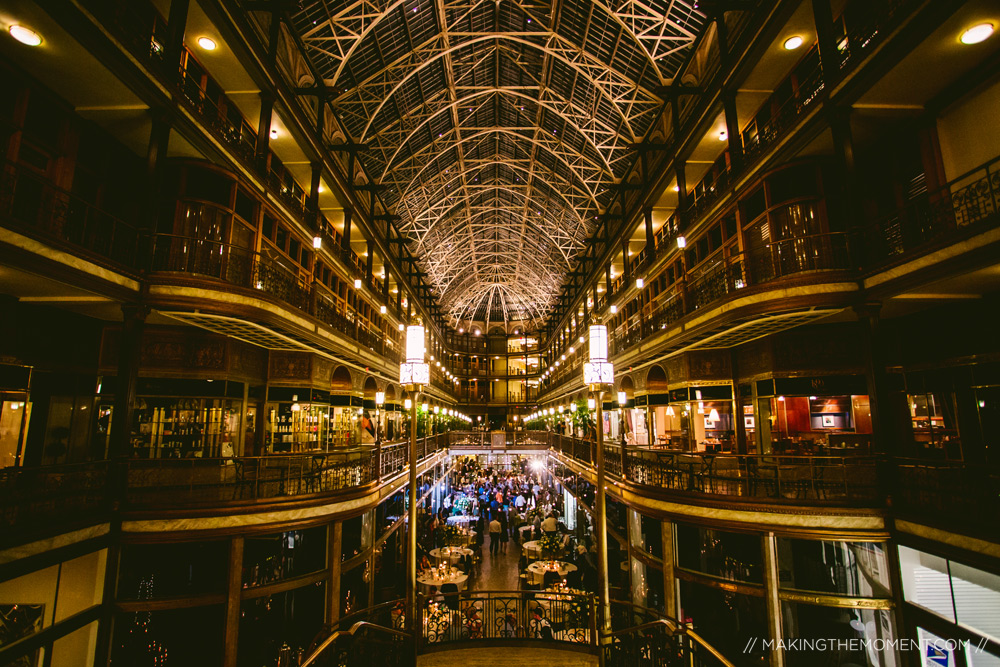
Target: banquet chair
point(550, 578)
point(450, 592)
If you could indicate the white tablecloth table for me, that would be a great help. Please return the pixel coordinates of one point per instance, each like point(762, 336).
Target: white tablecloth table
point(460, 520)
point(434, 578)
point(538, 569)
point(452, 555)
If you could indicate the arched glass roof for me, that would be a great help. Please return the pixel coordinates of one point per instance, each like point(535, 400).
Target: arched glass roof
point(497, 128)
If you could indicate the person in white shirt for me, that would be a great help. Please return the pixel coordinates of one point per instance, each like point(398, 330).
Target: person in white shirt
point(495, 529)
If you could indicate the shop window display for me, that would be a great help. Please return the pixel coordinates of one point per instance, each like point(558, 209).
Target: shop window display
point(871, 630)
point(727, 620)
point(191, 636)
point(282, 556)
point(278, 629)
point(855, 569)
point(154, 571)
point(732, 556)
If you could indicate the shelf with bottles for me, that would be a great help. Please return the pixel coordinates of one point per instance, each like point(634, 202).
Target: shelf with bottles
point(343, 426)
point(169, 427)
point(294, 427)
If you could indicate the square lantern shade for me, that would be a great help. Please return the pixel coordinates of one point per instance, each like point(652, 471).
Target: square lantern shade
point(414, 373)
point(379, 398)
point(599, 370)
point(415, 343)
point(622, 398)
point(598, 343)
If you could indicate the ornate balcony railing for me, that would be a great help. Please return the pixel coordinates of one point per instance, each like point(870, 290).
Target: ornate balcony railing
point(60, 495)
point(965, 206)
point(32, 204)
point(816, 479)
point(467, 617)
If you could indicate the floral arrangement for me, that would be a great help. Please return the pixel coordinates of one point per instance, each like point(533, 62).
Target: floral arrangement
point(578, 612)
point(550, 546)
point(463, 504)
point(452, 535)
point(531, 515)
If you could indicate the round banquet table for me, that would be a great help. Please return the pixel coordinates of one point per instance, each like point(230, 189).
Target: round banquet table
point(433, 578)
point(452, 555)
point(460, 520)
point(532, 550)
point(538, 569)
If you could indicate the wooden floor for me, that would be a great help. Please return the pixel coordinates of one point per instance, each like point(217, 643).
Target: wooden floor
point(507, 657)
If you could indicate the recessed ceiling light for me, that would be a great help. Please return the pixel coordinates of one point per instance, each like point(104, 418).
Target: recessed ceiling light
point(974, 35)
point(25, 35)
point(274, 134)
point(207, 43)
point(722, 136)
point(792, 43)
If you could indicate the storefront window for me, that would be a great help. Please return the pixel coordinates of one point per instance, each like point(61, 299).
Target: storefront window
point(192, 636)
point(647, 585)
point(152, 571)
point(354, 588)
point(728, 621)
point(721, 554)
point(186, 427)
point(278, 629)
point(932, 419)
point(956, 592)
point(840, 636)
point(856, 569)
point(832, 425)
point(282, 556)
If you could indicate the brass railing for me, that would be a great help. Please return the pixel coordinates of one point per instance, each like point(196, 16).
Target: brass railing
point(59, 495)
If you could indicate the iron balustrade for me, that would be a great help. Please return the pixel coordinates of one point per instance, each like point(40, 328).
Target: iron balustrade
point(31, 203)
point(965, 206)
point(62, 494)
point(729, 274)
point(199, 481)
point(825, 479)
point(250, 270)
point(466, 617)
point(52, 495)
point(948, 489)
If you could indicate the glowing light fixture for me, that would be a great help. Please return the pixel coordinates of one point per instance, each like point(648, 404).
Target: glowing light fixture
point(792, 43)
point(591, 404)
point(25, 35)
point(612, 309)
point(598, 370)
point(714, 415)
point(974, 35)
point(401, 327)
point(670, 411)
point(681, 242)
point(407, 404)
point(357, 283)
point(207, 43)
point(382, 309)
point(639, 283)
point(572, 407)
point(379, 398)
point(414, 370)
point(622, 398)
point(317, 242)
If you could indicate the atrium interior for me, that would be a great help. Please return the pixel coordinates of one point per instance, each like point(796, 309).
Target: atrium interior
point(567, 332)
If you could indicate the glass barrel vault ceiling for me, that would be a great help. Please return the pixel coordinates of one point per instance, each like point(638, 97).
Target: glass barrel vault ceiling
point(497, 127)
